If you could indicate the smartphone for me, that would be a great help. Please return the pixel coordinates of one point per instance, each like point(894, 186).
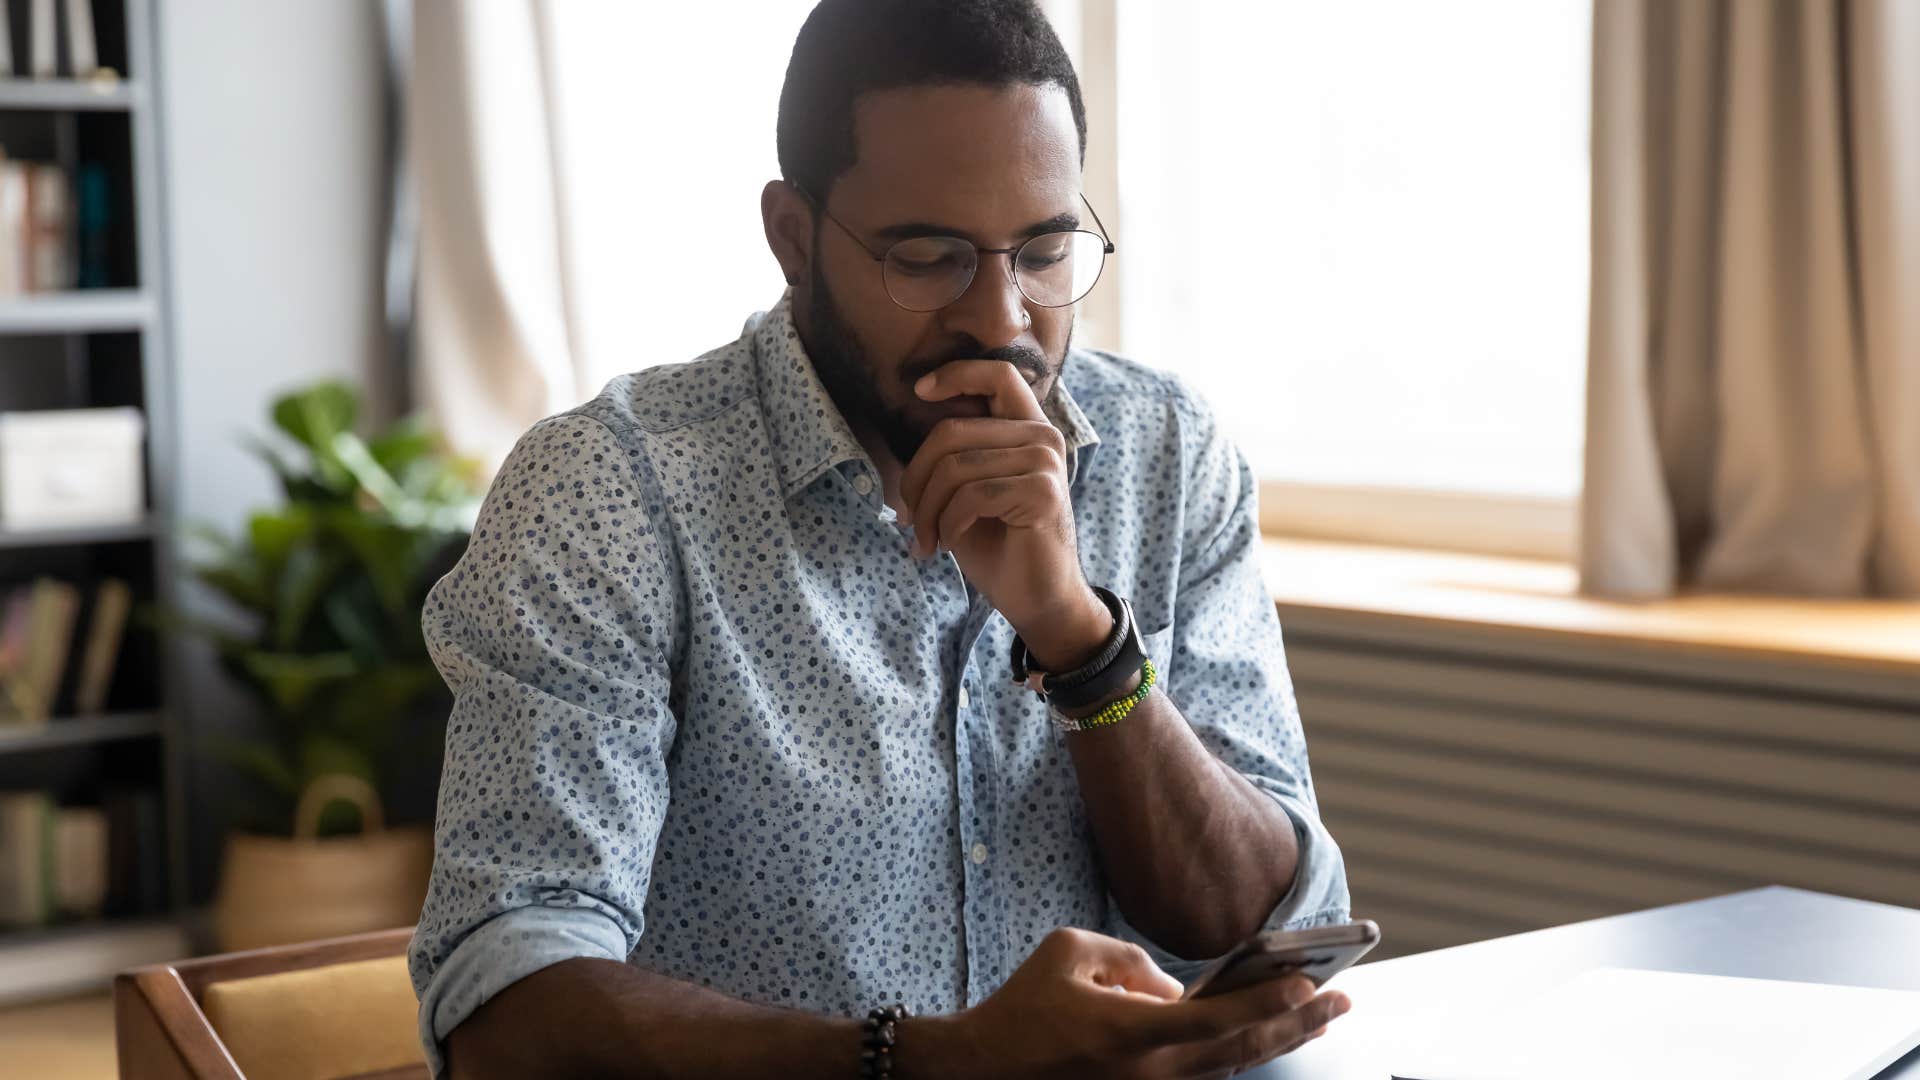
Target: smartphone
point(1319, 953)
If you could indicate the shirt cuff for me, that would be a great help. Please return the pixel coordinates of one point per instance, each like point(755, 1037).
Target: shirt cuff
point(505, 949)
point(1318, 897)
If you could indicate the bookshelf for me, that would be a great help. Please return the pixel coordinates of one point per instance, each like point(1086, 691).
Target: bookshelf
point(104, 344)
point(66, 94)
point(82, 311)
point(89, 534)
point(79, 731)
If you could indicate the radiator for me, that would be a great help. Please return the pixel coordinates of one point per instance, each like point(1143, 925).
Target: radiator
point(1478, 792)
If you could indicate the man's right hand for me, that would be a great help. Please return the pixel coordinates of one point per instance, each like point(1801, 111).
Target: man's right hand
point(1088, 1005)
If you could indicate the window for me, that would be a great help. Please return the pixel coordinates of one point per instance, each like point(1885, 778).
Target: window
point(666, 136)
point(1361, 230)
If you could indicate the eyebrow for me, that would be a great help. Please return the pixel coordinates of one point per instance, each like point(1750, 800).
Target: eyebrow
point(1062, 222)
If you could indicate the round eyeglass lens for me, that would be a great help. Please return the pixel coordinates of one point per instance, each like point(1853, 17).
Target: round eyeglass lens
point(1056, 269)
point(927, 273)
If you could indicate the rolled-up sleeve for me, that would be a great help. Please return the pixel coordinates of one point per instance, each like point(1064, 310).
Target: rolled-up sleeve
point(1227, 671)
point(556, 633)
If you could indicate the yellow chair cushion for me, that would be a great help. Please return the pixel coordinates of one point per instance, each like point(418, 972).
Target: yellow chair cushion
point(319, 1024)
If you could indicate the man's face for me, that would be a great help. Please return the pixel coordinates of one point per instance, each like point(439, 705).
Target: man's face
point(990, 165)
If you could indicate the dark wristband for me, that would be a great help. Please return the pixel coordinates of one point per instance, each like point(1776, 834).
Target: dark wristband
point(1046, 684)
point(1110, 684)
point(1105, 676)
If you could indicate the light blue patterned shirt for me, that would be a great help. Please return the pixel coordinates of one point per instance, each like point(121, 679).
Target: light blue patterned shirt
point(712, 718)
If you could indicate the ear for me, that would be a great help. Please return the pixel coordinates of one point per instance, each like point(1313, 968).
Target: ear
point(788, 219)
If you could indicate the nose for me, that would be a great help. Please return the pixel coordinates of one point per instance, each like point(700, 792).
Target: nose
point(992, 311)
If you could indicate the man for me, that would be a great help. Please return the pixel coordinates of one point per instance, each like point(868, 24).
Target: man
point(737, 755)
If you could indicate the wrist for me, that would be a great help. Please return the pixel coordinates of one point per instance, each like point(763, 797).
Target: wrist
point(1069, 634)
point(934, 1048)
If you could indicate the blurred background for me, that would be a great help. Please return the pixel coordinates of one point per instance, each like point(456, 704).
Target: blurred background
point(1574, 343)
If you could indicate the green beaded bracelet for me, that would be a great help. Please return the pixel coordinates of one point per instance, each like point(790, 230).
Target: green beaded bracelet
point(1115, 711)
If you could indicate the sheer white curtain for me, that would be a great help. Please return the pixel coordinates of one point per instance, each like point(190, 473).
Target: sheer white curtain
point(590, 174)
point(496, 331)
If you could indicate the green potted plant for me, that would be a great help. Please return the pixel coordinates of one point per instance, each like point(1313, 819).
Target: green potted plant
point(327, 589)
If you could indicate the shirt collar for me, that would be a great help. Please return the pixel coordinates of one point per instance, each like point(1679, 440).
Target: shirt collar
point(807, 431)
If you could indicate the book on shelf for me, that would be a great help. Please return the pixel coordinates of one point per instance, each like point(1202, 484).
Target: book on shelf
point(26, 857)
point(48, 252)
point(67, 863)
point(41, 34)
point(77, 868)
point(51, 27)
point(55, 605)
point(13, 226)
point(106, 629)
point(136, 851)
point(83, 59)
point(36, 227)
point(40, 634)
point(92, 226)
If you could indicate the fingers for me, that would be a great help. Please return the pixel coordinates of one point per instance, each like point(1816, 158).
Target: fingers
point(1264, 1039)
point(1008, 395)
point(1209, 1018)
point(974, 433)
point(970, 468)
point(1020, 502)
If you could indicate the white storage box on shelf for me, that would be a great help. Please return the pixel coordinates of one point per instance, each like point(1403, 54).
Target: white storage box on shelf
point(61, 468)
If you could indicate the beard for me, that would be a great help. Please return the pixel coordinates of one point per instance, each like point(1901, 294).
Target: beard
point(860, 387)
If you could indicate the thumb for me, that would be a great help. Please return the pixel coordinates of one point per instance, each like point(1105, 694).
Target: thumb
point(1122, 965)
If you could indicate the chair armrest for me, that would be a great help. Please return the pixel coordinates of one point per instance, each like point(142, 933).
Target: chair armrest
point(161, 1033)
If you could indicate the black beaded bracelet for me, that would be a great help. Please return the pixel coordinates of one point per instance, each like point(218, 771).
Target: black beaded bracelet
point(876, 1042)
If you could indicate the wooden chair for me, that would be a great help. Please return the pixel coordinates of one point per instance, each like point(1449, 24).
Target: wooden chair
point(341, 1008)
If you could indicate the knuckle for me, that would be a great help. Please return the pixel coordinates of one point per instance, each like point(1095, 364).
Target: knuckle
point(1156, 1064)
point(1285, 1036)
point(1250, 1048)
point(1052, 488)
point(938, 434)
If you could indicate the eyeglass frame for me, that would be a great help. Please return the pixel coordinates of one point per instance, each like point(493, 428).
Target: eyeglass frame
point(1106, 241)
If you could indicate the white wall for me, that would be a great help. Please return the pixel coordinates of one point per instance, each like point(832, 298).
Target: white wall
point(271, 134)
point(272, 129)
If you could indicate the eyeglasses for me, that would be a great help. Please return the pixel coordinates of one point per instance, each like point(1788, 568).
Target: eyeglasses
point(926, 273)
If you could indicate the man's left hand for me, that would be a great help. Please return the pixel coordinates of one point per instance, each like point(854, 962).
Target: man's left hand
point(993, 490)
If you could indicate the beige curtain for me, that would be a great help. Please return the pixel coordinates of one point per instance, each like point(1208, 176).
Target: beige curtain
point(1753, 417)
point(495, 340)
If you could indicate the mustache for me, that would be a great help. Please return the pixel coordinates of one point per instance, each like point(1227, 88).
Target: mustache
point(1030, 362)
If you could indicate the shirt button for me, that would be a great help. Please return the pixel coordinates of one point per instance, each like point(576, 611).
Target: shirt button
point(863, 484)
point(979, 854)
point(963, 697)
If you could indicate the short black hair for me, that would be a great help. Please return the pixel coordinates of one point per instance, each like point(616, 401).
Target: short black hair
point(851, 47)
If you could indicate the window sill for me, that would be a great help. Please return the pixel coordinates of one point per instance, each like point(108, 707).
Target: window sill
point(1532, 609)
